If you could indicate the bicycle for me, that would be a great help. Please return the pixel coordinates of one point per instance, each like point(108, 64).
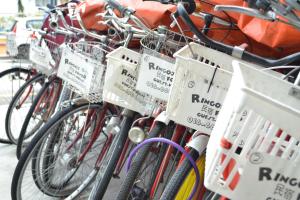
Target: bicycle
point(90, 120)
point(115, 151)
point(45, 54)
point(180, 176)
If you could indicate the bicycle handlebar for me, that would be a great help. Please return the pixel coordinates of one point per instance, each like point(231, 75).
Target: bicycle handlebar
point(244, 55)
point(269, 15)
point(116, 5)
point(84, 29)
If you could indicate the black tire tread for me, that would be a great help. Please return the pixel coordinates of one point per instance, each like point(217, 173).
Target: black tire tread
point(35, 141)
point(4, 73)
point(178, 177)
point(100, 187)
point(137, 163)
point(16, 97)
point(29, 115)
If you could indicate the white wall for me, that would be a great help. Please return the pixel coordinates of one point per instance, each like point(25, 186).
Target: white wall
point(10, 7)
point(29, 7)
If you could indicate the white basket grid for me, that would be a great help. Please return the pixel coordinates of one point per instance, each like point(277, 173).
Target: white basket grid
point(83, 67)
point(201, 83)
point(120, 82)
point(256, 136)
point(11, 45)
point(45, 54)
point(164, 42)
point(157, 70)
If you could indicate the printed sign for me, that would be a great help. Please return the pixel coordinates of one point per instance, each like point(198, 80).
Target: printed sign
point(41, 56)
point(78, 71)
point(155, 76)
point(205, 109)
point(270, 178)
point(120, 88)
point(197, 97)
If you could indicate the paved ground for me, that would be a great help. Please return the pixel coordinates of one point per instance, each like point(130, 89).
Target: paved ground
point(8, 159)
point(8, 162)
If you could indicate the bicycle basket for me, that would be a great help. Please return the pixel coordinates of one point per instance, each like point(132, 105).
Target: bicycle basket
point(120, 82)
point(11, 46)
point(82, 67)
point(200, 86)
point(255, 141)
point(157, 69)
point(44, 54)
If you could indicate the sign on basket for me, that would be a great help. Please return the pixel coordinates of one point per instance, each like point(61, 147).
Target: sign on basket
point(156, 75)
point(255, 141)
point(269, 183)
point(78, 71)
point(41, 56)
point(120, 82)
point(200, 86)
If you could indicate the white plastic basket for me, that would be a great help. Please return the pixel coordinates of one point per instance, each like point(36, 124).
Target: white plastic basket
point(11, 46)
point(157, 68)
point(82, 67)
point(44, 54)
point(120, 82)
point(254, 149)
point(201, 82)
point(156, 74)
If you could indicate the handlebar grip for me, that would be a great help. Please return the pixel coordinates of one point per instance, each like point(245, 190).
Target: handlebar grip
point(116, 5)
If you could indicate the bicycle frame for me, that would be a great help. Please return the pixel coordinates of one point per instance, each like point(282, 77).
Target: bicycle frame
point(29, 91)
point(49, 98)
point(178, 133)
point(95, 134)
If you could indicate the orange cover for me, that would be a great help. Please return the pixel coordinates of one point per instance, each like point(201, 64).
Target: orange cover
point(283, 38)
point(272, 39)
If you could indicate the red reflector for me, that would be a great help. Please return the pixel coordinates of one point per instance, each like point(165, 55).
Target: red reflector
point(14, 29)
point(225, 143)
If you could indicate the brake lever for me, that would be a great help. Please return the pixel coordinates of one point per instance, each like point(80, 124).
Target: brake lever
point(269, 15)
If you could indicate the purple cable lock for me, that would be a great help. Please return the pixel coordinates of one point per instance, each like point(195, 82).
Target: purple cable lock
point(175, 145)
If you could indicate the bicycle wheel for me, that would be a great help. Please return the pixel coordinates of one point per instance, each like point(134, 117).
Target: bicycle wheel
point(40, 110)
point(10, 80)
point(63, 157)
point(175, 188)
point(106, 172)
point(128, 185)
point(142, 187)
point(19, 106)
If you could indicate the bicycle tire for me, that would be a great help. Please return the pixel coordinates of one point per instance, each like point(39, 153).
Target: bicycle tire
point(161, 156)
point(102, 180)
point(29, 116)
point(17, 96)
point(10, 72)
point(137, 163)
point(35, 145)
point(179, 176)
